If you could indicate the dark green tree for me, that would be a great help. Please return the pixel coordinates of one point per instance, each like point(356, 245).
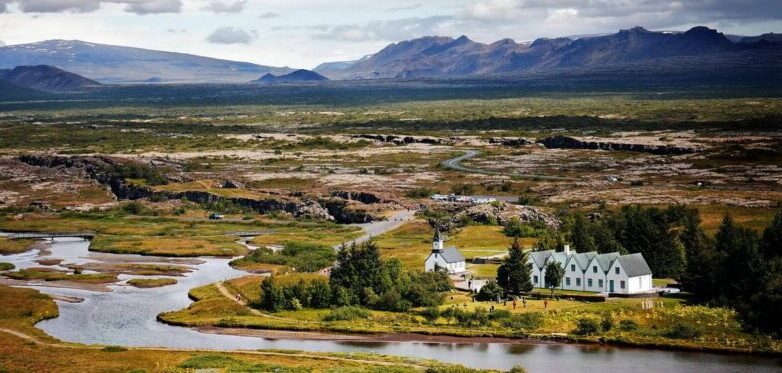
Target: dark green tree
point(580, 236)
point(701, 266)
point(554, 275)
point(272, 295)
point(513, 275)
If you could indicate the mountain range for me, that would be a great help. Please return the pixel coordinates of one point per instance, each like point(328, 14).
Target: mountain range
point(113, 64)
point(445, 57)
point(435, 57)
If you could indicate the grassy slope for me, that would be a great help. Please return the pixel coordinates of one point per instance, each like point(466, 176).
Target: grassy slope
point(30, 350)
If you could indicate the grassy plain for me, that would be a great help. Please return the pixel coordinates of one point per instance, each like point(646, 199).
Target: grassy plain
point(146, 283)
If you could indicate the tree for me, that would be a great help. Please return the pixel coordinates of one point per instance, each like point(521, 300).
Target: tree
point(701, 266)
point(514, 274)
point(579, 235)
point(554, 275)
point(272, 295)
point(650, 231)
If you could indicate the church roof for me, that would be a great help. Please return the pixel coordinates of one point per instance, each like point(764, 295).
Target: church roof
point(451, 255)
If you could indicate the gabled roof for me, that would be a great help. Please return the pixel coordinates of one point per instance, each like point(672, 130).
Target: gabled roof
point(582, 259)
point(539, 257)
point(451, 255)
point(560, 257)
point(605, 260)
point(634, 265)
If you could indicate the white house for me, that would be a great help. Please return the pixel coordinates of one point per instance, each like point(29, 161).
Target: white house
point(593, 272)
point(449, 258)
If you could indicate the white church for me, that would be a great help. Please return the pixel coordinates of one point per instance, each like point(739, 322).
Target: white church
point(593, 272)
point(449, 258)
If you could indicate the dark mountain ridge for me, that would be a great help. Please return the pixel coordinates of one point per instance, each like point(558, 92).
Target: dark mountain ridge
point(444, 57)
point(46, 79)
point(298, 76)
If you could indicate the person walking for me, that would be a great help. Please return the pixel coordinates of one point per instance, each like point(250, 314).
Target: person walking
point(545, 304)
point(514, 304)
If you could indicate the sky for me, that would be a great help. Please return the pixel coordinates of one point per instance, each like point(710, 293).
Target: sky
point(304, 33)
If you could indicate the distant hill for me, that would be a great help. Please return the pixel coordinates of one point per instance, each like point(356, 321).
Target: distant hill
point(11, 92)
point(768, 37)
point(117, 64)
point(444, 57)
point(298, 76)
point(46, 78)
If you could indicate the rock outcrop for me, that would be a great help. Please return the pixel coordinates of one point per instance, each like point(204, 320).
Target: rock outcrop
point(502, 213)
point(566, 142)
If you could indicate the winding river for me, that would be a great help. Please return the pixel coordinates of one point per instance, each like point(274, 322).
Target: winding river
point(126, 316)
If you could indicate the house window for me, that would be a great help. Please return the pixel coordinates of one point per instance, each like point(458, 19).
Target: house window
point(622, 284)
point(594, 269)
point(589, 282)
point(572, 268)
point(578, 281)
point(567, 281)
point(600, 283)
point(535, 279)
point(616, 270)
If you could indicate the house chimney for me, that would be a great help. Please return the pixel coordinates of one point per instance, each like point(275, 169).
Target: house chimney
point(567, 250)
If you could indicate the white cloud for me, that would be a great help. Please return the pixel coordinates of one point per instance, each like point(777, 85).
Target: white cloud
point(230, 35)
point(217, 6)
point(269, 15)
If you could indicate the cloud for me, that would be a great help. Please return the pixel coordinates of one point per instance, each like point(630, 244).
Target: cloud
point(58, 6)
point(405, 7)
point(269, 15)
point(391, 30)
point(217, 6)
point(143, 7)
point(230, 35)
point(87, 6)
point(2, 43)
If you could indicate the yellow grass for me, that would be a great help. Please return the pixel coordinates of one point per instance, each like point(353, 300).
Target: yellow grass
point(8, 247)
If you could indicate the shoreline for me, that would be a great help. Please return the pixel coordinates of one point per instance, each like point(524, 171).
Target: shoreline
point(455, 338)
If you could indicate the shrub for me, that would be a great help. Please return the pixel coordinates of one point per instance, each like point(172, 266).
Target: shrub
point(346, 313)
point(114, 349)
point(682, 331)
point(420, 193)
point(431, 314)
point(628, 325)
point(607, 323)
point(392, 301)
point(526, 321)
point(586, 326)
point(462, 189)
point(490, 292)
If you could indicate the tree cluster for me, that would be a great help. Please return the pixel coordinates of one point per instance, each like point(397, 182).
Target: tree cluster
point(360, 278)
point(513, 275)
point(738, 268)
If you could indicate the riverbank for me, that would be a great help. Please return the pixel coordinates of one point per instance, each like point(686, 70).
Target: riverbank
point(669, 324)
point(25, 348)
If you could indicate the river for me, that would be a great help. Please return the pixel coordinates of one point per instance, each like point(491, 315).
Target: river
point(126, 316)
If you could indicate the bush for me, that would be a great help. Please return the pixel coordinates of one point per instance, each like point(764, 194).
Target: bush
point(392, 301)
point(462, 189)
point(607, 323)
point(431, 314)
point(346, 314)
point(682, 331)
point(302, 257)
point(586, 327)
point(114, 349)
point(420, 193)
point(490, 292)
point(525, 321)
point(628, 325)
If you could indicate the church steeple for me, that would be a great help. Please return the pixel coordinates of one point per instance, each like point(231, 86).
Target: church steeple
point(437, 241)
